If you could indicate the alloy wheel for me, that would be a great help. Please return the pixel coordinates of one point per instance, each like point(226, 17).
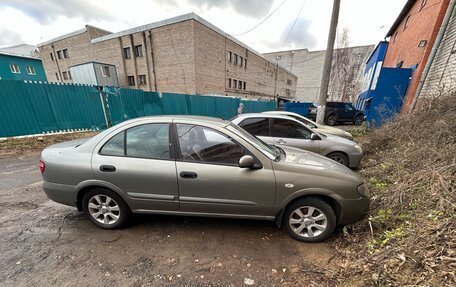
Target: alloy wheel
point(104, 209)
point(308, 221)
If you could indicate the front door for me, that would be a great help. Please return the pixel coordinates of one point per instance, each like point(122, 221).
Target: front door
point(210, 180)
point(294, 134)
point(137, 161)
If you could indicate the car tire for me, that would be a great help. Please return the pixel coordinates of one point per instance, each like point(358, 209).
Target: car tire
point(105, 208)
point(317, 223)
point(359, 120)
point(340, 158)
point(331, 120)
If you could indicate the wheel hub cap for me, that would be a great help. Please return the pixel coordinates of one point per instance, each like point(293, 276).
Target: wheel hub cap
point(308, 221)
point(104, 209)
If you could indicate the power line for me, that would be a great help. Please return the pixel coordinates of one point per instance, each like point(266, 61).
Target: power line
point(262, 21)
point(294, 23)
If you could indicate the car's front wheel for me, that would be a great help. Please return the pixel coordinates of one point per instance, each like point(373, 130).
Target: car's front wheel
point(310, 220)
point(105, 208)
point(359, 120)
point(339, 157)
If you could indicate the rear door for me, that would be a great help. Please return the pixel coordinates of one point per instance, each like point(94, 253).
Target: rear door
point(137, 161)
point(258, 127)
point(291, 133)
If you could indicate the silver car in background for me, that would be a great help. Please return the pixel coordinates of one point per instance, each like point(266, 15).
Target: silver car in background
point(185, 165)
point(286, 131)
point(322, 129)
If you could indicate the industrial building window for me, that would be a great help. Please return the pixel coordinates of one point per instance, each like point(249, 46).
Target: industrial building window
point(15, 69)
point(234, 84)
point(229, 83)
point(244, 86)
point(239, 85)
point(52, 56)
point(131, 80)
point(142, 80)
point(69, 75)
point(289, 82)
point(57, 76)
point(242, 61)
point(65, 75)
point(230, 57)
point(138, 51)
point(105, 71)
point(65, 53)
point(127, 53)
point(30, 70)
point(406, 21)
point(235, 59)
point(245, 64)
point(59, 54)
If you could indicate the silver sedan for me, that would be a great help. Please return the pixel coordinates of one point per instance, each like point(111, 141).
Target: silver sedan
point(199, 166)
point(283, 130)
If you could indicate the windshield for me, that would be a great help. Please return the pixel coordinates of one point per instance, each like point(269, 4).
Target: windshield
point(256, 142)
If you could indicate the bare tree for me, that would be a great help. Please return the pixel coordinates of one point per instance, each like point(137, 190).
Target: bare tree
point(345, 67)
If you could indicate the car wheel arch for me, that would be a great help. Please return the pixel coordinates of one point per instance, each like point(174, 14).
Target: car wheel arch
point(325, 195)
point(87, 186)
point(339, 151)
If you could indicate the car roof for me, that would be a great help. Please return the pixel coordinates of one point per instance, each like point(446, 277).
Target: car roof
point(199, 119)
point(263, 115)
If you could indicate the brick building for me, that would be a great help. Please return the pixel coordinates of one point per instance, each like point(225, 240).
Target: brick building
point(412, 37)
point(346, 75)
point(184, 54)
point(441, 78)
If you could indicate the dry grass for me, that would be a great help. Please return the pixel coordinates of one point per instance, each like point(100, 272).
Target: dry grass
point(410, 237)
point(31, 145)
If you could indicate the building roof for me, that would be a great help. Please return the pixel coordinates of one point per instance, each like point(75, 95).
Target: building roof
point(402, 15)
point(22, 50)
point(71, 34)
point(178, 19)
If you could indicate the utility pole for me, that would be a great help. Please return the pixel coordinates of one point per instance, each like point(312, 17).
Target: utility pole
point(328, 62)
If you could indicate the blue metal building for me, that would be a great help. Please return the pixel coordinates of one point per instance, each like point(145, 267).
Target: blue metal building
point(384, 88)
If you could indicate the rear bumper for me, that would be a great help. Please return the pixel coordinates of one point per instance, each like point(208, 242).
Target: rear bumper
point(61, 193)
point(355, 159)
point(353, 210)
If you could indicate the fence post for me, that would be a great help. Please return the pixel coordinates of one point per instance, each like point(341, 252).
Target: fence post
point(104, 109)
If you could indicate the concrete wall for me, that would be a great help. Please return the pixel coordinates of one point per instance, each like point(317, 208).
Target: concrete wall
point(308, 66)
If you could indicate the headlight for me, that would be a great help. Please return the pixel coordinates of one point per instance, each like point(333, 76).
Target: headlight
point(363, 191)
point(358, 148)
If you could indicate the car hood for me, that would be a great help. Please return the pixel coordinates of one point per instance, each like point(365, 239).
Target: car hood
point(338, 139)
point(310, 159)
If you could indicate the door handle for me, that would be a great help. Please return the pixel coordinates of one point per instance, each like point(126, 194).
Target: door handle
point(188, 174)
point(107, 168)
point(281, 141)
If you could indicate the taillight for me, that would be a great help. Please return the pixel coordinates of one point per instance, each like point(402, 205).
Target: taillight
point(42, 166)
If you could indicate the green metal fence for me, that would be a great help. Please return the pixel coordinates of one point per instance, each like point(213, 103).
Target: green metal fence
point(34, 108)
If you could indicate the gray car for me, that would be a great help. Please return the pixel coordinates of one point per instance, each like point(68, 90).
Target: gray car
point(283, 130)
point(323, 129)
point(184, 165)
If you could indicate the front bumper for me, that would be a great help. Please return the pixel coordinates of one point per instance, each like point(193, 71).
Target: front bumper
point(355, 159)
point(61, 193)
point(353, 210)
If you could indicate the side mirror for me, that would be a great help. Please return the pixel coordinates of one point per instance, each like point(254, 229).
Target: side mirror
point(314, 137)
point(246, 161)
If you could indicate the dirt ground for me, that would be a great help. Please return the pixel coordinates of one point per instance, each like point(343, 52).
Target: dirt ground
point(43, 243)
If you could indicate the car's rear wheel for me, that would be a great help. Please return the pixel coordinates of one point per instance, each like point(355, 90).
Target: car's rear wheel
point(310, 220)
point(339, 157)
point(105, 208)
point(359, 120)
point(331, 120)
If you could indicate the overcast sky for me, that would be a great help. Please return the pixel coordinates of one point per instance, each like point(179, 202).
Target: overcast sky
point(35, 21)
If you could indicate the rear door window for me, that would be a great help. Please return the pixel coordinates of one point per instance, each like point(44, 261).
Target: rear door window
point(283, 128)
point(115, 146)
point(256, 126)
point(148, 141)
